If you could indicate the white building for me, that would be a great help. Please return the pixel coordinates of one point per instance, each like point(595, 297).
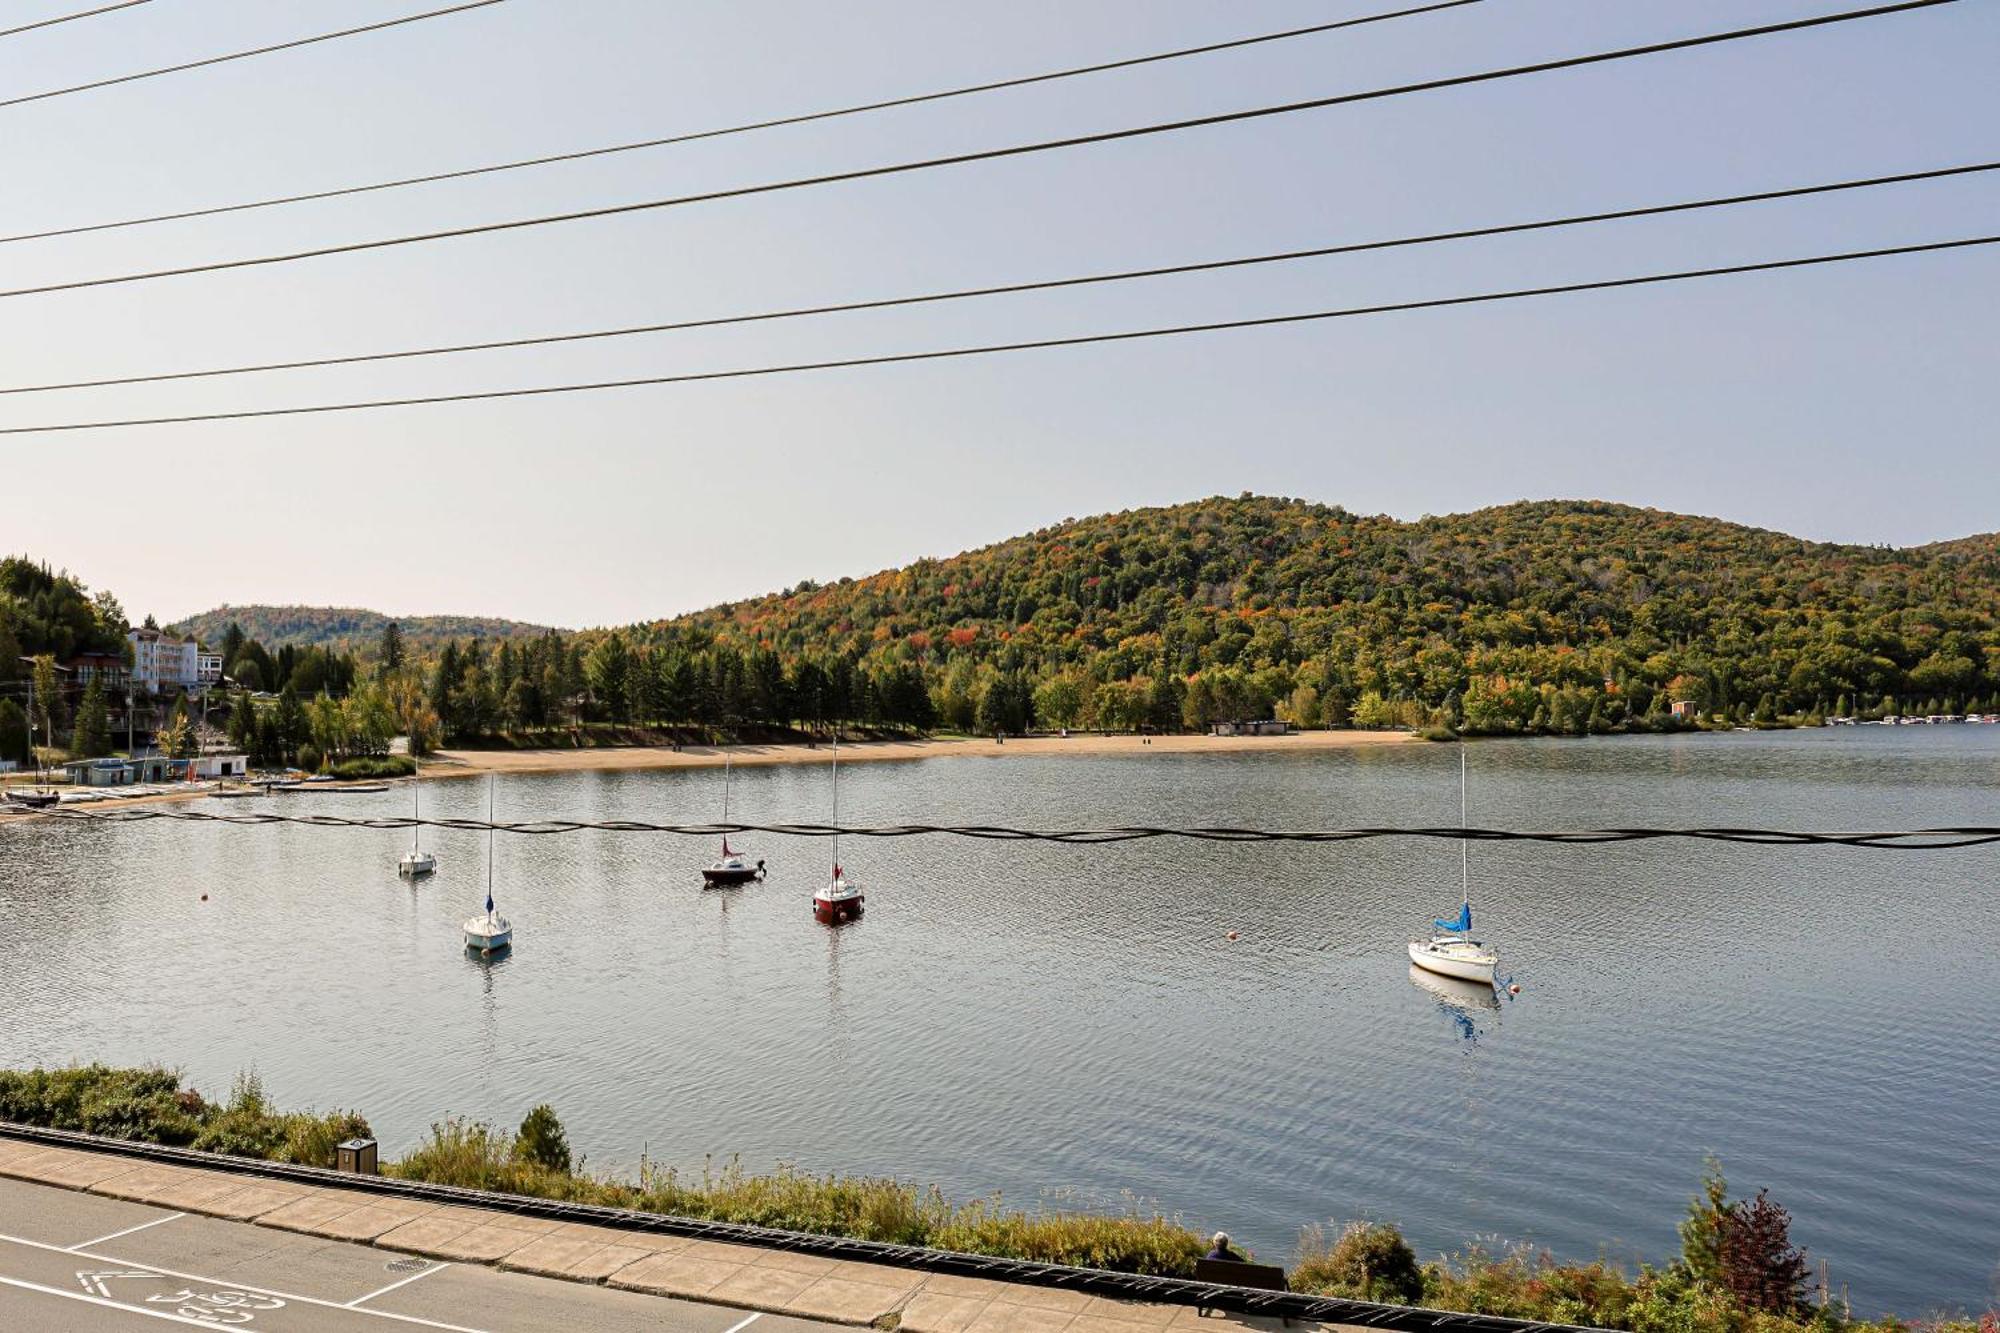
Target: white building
point(162, 662)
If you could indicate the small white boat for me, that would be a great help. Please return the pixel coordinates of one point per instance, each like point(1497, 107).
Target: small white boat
point(490, 933)
point(837, 901)
point(1452, 952)
point(416, 862)
point(732, 867)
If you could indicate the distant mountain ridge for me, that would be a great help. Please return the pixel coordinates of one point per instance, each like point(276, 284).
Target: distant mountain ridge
point(347, 628)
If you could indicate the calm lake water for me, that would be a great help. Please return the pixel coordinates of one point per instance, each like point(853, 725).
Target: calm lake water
point(1073, 1024)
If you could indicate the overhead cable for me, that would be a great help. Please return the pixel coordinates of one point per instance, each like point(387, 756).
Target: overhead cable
point(1046, 284)
point(1924, 839)
point(240, 55)
point(949, 353)
point(773, 123)
point(71, 18)
point(984, 155)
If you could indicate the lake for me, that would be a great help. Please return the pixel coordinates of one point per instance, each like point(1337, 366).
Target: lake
point(1074, 1024)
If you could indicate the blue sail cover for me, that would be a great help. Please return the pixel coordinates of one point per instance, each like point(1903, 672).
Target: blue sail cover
point(1461, 922)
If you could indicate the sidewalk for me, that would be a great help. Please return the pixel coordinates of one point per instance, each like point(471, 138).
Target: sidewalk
point(746, 1277)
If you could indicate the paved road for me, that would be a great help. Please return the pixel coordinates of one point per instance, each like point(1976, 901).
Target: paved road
point(79, 1263)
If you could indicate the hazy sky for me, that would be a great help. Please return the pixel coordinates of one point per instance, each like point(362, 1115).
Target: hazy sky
point(1853, 403)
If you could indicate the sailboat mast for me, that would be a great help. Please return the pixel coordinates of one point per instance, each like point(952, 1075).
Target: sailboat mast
point(489, 845)
point(1464, 865)
point(416, 812)
point(725, 791)
point(836, 803)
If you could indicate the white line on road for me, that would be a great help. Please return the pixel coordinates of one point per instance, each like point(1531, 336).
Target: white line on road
point(404, 1282)
point(242, 1286)
point(84, 1245)
point(88, 1299)
point(739, 1326)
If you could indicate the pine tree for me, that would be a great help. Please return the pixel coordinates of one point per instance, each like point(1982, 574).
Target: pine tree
point(93, 723)
point(1760, 1267)
point(392, 648)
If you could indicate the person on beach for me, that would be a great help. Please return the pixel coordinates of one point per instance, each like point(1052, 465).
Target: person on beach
point(1220, 1249)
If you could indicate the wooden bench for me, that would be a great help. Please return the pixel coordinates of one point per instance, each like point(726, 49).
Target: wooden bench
point(1235, 1273)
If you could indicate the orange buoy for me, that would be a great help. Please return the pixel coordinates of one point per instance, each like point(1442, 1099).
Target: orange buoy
point(1233, 935)
point(1513, 989)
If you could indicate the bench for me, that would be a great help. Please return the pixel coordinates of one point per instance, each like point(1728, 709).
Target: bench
point(1235, 1273)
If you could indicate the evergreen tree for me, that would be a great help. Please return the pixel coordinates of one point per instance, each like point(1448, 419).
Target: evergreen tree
point(14, 732)
point(392, 649)
point(92, 739)
point(243, 722)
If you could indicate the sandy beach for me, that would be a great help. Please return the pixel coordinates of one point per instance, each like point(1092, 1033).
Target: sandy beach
point(467, 762)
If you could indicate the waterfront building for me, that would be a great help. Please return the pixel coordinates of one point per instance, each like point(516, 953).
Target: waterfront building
point(162, 662)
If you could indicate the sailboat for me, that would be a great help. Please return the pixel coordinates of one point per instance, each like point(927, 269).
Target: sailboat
point(42, 797)
point(492, 933)
point(416, 862)
point(733, 867)
point(1452, 952)
point(838, 900)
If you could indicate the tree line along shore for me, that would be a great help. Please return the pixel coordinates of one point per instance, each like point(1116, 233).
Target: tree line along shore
point(1554, 617)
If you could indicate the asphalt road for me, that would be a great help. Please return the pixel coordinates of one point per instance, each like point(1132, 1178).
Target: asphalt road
point(80, 1263)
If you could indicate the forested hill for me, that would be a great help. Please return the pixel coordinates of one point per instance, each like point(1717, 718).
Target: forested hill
point(346, 629)
point(1561, 615)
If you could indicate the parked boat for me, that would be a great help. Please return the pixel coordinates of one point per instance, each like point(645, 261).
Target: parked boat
point(416, 862)
point(43, 797)
point(1452, 952)
point(732, 867)
point(490, 934)
point(837, 901)
point(34, 800)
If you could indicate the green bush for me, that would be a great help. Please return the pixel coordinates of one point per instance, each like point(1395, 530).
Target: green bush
point(374, 766)
point(541, 1141)
point(1370, 1261)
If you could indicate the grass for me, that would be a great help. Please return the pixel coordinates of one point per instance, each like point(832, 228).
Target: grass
point(1368, 1260)
point(374, 766)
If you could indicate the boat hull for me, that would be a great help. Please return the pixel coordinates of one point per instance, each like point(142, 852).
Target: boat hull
point(725, 876)
point(488, 935)
point(1427, 955)
point(417, 866)
point(33, 800)
point(834, 911)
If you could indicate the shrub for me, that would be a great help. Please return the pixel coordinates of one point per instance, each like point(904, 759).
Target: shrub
point(1760, 1268)
point(1370, 1260)
point(374, 766)
point(541, 1141)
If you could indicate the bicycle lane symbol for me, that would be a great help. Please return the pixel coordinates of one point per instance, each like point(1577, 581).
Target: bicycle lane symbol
point(225, 1306)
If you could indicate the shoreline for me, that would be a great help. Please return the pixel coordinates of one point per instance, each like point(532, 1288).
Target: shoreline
point(469, 763)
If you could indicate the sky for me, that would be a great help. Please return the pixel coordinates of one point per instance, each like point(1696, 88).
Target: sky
point(1850, 403)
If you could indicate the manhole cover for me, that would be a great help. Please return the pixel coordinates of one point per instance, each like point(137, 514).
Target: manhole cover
point(406, 1265)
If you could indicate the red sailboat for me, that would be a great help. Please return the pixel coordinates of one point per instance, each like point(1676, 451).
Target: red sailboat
point(838, 900)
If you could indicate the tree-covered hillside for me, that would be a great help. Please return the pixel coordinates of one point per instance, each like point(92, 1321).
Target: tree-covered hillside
point(347, 629)
point(1551, 615)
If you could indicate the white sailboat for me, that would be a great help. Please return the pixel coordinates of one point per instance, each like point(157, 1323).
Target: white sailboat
point(838, 900)
point(1452, 952)
point(732, 867)
point(492, 933)
point(416, 862)
point(42, 797)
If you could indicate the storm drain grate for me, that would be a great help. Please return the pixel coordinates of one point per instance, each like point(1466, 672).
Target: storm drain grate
point(407, 1265)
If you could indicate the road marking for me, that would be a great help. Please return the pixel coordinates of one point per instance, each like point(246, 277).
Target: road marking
point(743, 1324)
point(84, 1245)
point(404, 1282)
point(88, 1299)
point(243, 1286)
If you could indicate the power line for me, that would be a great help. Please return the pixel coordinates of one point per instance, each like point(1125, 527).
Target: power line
point(1049, 284)
point(1927, 839)
point(775, 123)
point(991, 154)
point(71, 18)
point(240, 55)
point(949, 353)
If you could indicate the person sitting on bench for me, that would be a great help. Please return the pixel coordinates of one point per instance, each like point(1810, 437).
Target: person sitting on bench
point(1221, 1250)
